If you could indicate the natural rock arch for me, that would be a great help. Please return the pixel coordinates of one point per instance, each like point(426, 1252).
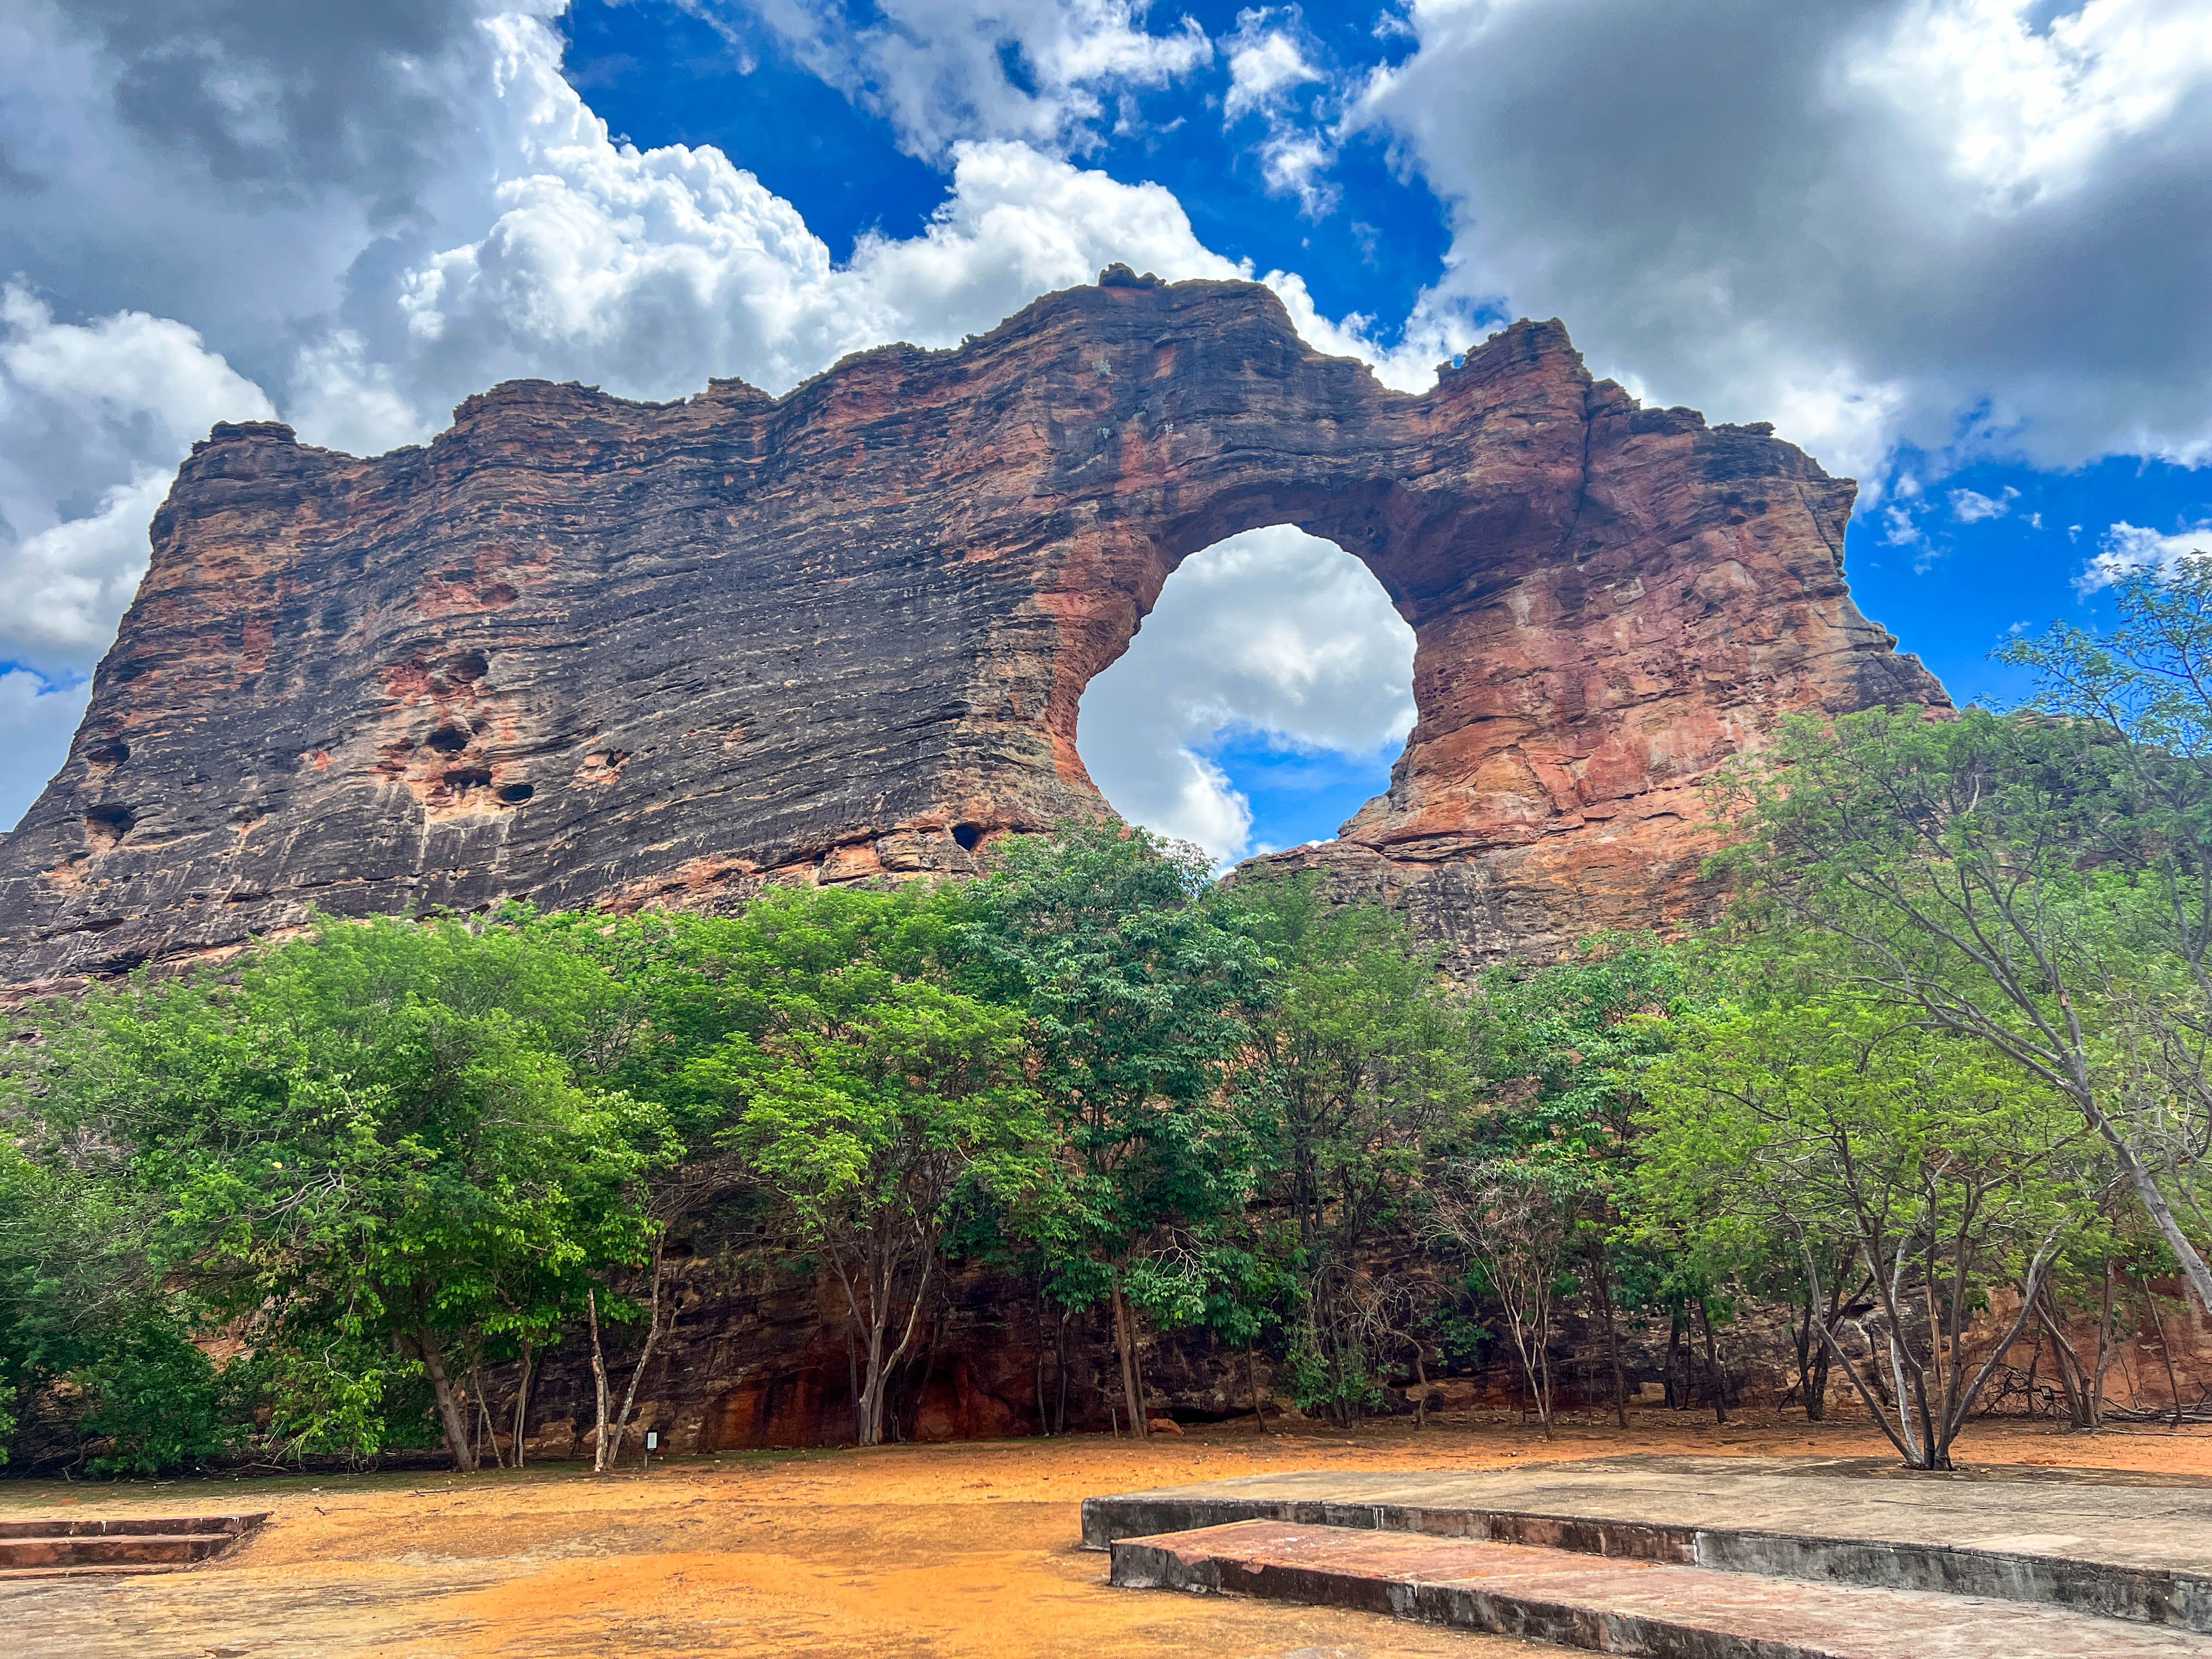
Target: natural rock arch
point(580, 649)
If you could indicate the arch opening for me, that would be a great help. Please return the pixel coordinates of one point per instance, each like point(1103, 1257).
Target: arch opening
point(1262, 702)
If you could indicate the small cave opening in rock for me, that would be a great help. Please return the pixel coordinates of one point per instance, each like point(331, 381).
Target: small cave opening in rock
point(448, 739)
point(969, 836)
point(515, 793)
point(106, 824)
point(113, 752)
point(1262, 702)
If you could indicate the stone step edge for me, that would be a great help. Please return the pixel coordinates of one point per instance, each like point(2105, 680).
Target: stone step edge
point(107, 1570)
point(235, 1526)
point(2170, 1597)
point(117, 1546)
point(1157, 1563)
point(1190, 1563)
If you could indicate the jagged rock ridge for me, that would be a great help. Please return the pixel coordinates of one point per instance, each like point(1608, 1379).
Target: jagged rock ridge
point(585, 650)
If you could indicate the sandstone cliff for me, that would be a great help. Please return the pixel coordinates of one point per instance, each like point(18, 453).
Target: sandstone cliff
point(584, 650)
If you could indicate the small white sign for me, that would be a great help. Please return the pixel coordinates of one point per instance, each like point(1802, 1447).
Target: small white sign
point(652, 1440)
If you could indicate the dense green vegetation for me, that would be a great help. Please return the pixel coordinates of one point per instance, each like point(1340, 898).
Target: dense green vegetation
point(1935, 1079)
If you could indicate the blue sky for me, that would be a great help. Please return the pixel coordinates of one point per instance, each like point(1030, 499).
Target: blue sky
point(661, 75)
point(1955, 248)
point(1965, 585)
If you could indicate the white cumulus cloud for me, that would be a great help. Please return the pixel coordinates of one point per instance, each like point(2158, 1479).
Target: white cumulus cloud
point(1970, 225)
point(1971, 507)
point(93, 419)
point(647, 271)
point(1268, 67)
point(1263, 63)
point(2129, 549)
point(1049, 73)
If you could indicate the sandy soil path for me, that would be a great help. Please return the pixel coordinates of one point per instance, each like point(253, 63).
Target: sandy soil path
point(966, 1548)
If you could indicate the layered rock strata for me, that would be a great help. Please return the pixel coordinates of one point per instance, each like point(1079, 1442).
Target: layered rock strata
point(583, 650)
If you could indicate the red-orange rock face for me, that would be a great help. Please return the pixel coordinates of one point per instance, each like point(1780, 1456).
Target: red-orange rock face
point(583, 650)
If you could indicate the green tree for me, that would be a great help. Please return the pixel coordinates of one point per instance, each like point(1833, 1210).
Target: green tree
point(369, 1148)
point(1986, 874)
point(1837, 1128)
point(1560, 1048)
point(1357, 1071)
point(2140, 694)
point(1138, 992)
point(871, 1096)
point(1518, 1222)
point(81, 1305)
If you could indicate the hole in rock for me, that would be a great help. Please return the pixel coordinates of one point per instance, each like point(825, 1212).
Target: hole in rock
point(1262, 702)
point(515, 793)
point(465, 777)
point(111, 753)
point(108, 823)
point(967, 835)
point(448, 739)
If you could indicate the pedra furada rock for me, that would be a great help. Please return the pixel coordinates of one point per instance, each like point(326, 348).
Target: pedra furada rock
point(588, 651)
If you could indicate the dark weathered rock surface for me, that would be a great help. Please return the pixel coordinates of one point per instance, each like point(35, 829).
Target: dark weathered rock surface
point(580, 649)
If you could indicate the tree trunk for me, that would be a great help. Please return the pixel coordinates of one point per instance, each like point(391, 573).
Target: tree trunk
point(486, 1429)
point(1934, 1336)
point(1044, 1422)
point(1530, 1321)
point(599, 1387)
point(1816, 1397)
point(1816, 1369)
point(2166, 1349)
point(2145, 1184)
point(522, 1404)
point(874, 1410)
point(2072, 1380)
point(1133, 1394)
point(2096, 1416)
point(450, 1420)
point(652, 1334)
point(1712, 1364)
point(1604, 1281)
point(852, 1371)
point(875, 1380)
point(1812, 1391)
point(1060, 1374)
point(1136, 1365)
point(1959, 1403)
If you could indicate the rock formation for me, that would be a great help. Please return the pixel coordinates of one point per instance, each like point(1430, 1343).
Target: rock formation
point(584, 650)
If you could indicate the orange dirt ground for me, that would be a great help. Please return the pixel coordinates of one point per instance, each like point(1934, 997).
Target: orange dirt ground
point(959, 1548)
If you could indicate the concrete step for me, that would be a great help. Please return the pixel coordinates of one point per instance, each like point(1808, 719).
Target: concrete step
point(135, 1526)
point(50, 1547)
point(2137, 1552)
point(1620, 1606)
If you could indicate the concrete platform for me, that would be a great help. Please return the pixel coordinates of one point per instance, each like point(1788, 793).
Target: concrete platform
point(1630, 1607)
point(42, 1548)
point(2113, 1545)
